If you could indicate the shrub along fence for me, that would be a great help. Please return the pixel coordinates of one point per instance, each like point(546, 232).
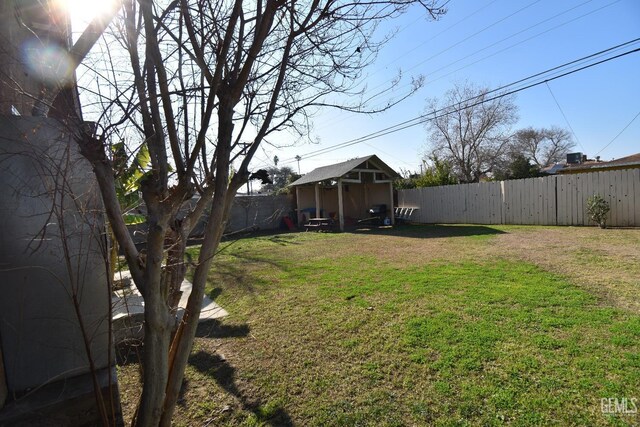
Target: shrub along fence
point(550, 200)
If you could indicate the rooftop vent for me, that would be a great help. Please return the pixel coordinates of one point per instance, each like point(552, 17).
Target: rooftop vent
point(574, 158)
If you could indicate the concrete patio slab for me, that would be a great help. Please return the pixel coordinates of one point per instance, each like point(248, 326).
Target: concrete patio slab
point(128, 308)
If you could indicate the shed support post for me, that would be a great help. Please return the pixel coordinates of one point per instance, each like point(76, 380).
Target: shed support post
point(298, 213)
point(366, 196)
point(317, 188)
point(393, 216)
point(340, 206)
point(4, 391)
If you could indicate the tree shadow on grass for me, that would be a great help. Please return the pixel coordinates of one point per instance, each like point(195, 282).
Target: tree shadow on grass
point(278, 236)
point(236, 274)
point(214, 328)
point(132, 350)
point(217, 368)
point(283, 239)
point(244, 272)
point(205, 362)
point(431, 231)
point(215, 293)
point(246, 259)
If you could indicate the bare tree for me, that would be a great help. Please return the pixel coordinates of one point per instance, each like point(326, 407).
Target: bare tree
point(202, 84)
point(543, 146)
point(470, 129)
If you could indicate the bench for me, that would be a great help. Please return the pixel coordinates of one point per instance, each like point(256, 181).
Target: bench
point(403, 214)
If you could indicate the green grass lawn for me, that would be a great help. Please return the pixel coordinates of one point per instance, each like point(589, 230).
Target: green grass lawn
point(413, 326)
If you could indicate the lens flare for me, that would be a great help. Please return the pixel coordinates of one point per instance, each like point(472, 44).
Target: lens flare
point(47, 61)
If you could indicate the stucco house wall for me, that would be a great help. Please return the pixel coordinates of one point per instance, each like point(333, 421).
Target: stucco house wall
point(52, 252)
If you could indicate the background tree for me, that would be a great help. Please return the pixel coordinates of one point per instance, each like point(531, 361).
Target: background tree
point(280, 177)
point(128, 175)
point(406, 180)
point(544, 146)
point(470, 129)
point(439, 172)
point(518, 168)
point(202, 83)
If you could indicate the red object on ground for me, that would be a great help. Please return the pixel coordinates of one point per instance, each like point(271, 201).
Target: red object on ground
point(289, 223)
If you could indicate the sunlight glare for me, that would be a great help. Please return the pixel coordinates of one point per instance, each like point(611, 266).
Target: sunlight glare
point(83, 11)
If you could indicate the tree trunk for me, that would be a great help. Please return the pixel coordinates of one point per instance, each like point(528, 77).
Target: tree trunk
point(175, 269)
point(182, 343)
point(113, 252)
point(157, 326)
point(222, 200)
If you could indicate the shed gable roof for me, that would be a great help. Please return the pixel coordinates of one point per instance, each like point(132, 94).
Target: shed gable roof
point(338, 170)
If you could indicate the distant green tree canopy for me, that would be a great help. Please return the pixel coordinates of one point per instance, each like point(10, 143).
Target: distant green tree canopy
point(438, 172)
point(520, 167)
point(281, 177)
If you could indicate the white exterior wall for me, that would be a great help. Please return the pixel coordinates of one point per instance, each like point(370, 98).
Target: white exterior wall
point(51, 214)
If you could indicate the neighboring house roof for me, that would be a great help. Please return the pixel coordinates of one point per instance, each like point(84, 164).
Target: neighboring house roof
point(632, 161)
point(338, 170)
point(553, 169)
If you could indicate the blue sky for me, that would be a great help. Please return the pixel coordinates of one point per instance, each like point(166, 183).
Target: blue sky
point(492, 43)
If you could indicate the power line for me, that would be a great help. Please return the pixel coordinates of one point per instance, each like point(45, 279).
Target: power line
point(447, 48)
point(448, 109)
point(518, 43)
point(565, 117)
point(420, 118)
point(388, 154)
point(474, 34)
point(442, 51)
point(432, 80)
point(439, 34)
point(619, 133)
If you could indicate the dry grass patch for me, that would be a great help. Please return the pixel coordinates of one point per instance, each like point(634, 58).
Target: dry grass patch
point(605, 262)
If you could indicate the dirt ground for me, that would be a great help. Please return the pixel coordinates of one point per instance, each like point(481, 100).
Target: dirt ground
point(604, 262)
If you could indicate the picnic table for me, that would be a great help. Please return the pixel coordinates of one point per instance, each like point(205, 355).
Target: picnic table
point(319, 224)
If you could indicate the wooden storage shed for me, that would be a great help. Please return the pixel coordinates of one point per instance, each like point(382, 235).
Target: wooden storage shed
point(346, 191)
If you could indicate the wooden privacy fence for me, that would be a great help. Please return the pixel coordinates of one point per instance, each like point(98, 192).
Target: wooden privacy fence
point(551, 200)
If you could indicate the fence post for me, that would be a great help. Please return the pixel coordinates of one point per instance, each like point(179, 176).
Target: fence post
point(503, 201)
point(555, 192)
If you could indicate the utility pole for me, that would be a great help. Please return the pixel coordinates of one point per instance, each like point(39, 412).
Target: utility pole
point(298, 158)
